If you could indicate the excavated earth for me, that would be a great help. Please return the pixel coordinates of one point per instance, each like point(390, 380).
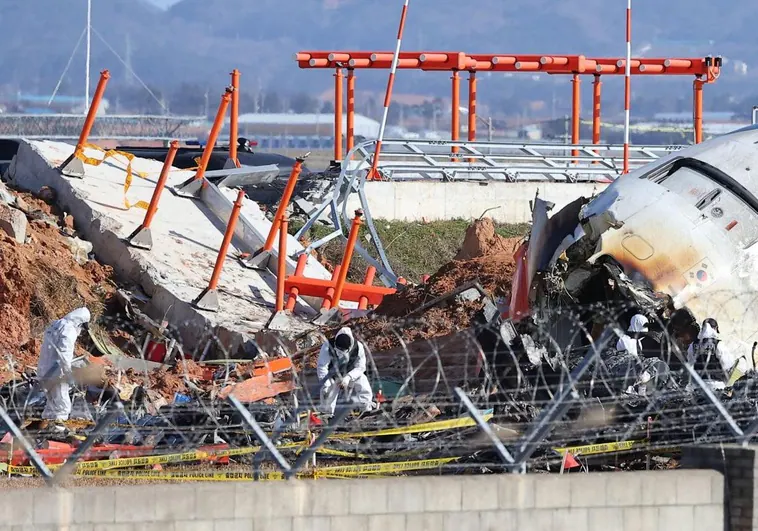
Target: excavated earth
point(484, 256)
point(39, 282)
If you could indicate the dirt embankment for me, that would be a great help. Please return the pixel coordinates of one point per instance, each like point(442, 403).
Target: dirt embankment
point(485, 257)
point(39, 282)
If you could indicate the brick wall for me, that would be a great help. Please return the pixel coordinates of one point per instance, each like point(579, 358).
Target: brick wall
point(627, 501)
point(738, 466)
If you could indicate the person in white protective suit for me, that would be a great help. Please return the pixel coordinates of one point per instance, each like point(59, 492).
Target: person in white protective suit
point(711, 359)
point(54, 367)
point(341, 371)
point(630, 342)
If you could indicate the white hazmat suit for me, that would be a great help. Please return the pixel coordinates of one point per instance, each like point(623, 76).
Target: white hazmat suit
point(55, 359)
point(626, 343)
point(702, 352)
point(341, 370)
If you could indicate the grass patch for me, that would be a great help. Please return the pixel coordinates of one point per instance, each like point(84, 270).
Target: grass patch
point(413, 248)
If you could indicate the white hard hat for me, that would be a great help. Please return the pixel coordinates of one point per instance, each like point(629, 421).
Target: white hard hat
point(638, 323)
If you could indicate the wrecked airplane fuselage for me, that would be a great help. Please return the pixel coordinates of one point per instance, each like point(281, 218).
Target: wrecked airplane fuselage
point(678, 234)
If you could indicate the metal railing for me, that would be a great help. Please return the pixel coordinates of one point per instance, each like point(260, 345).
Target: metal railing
point(456, 161)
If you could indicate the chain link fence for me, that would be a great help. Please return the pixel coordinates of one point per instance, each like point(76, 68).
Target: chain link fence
point(551, 393)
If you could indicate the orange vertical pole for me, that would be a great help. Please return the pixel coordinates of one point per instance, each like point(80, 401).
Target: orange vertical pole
point(596, 91)
point(288, 191)
point(350, 109)
point(367, 281)
point(92, 113)
point(347, 257)
point(338, 114)
point(227, 240)
point(472, 106)
point(281, 271)
point(234, 117)
point(294, 292)
point(327, 303)
point(455, 110)
point(575, 111)
point(173, 148)
point(698, 109)
point(213, 136)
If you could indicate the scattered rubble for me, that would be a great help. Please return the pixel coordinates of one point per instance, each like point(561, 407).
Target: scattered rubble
point(485, 258)
point(13, 223)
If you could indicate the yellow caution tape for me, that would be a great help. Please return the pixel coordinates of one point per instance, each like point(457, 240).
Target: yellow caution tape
point(179, 476)
point(164, 459)
point(342, 453)
point(440, 425)
point(382, 468)
point(129, 173)
point(347, 471)
point(603, 448)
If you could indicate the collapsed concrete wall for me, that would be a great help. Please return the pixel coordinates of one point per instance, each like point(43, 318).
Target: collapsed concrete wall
point(691, 500)
point(186, 235)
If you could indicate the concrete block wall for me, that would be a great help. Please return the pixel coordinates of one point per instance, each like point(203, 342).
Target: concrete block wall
point(627, 501)
point(739, 468)
point(434, 200)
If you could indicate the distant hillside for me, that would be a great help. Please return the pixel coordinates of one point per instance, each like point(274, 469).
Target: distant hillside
point(202, 40)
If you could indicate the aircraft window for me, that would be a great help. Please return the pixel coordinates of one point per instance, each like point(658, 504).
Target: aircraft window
point(688, 183)
point(723, 207)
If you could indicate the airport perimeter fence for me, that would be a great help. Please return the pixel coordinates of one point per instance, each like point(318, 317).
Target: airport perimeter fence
point(548, 393)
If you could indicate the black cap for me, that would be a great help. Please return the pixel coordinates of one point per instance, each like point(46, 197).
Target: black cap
point(343, 341)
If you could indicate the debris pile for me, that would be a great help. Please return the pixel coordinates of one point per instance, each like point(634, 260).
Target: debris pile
point(40, 279)
point(436, 308)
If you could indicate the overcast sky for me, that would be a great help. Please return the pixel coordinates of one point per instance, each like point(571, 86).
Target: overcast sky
point(163, 3)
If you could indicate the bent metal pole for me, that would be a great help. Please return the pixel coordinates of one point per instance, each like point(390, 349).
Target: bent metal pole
point(234, 117)
point(388, 94)
point(627, 83)
point(92, 112)
point(142, 237)
point(281, 270)
point(208, 299)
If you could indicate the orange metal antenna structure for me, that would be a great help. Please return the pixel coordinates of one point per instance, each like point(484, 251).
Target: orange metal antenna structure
point(347, 257)
point(707, 68)
point(142, 237)
point(455, 127)
point(372, 174)
point(233, 161)
point(338, 103)
point(208, 299)
point(192, 185)
point(259, 260)
point(73, 166)
point(367, 281)
point(576, 109)
point(329, 296)
point(281, 270)
point(294, 290)
point(697, 87)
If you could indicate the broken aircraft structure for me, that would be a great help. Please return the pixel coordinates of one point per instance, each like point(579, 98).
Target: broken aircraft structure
point(675, 239)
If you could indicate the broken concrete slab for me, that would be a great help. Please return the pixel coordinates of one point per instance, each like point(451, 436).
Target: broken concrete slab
point(186, 233)
point(13, 222)
point(6, 196)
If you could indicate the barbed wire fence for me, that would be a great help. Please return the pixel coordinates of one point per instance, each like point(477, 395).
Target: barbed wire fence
point(495, 397)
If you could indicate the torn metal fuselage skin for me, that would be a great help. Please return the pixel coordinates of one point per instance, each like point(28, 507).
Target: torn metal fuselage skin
point(679, 233)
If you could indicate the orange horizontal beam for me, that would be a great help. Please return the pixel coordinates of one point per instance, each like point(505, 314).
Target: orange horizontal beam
point(551, 64)
point(383, 60)
point(314, 287)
